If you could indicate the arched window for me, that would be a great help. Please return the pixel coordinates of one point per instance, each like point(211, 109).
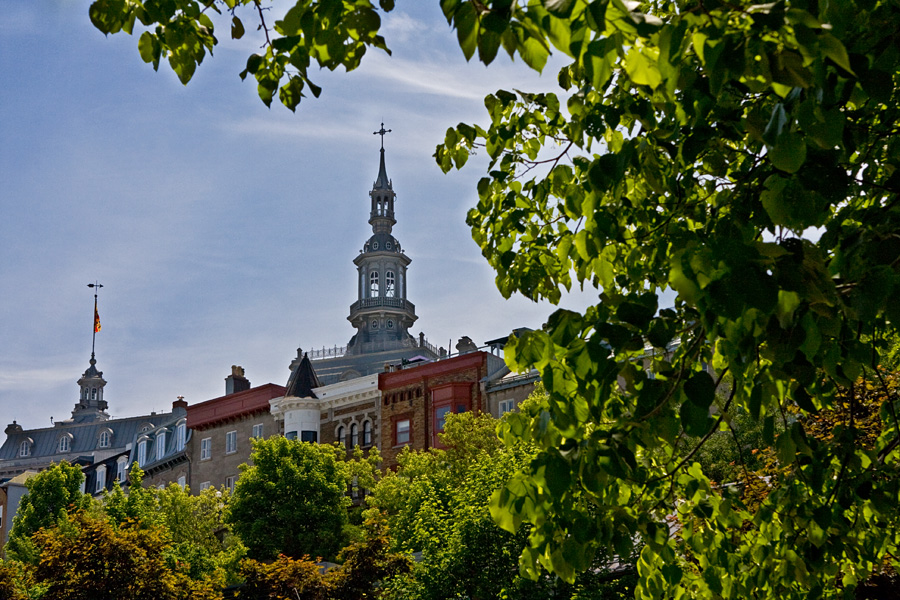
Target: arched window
point(142, 453)
point(121, 468)
point(104, 439)
point(354, 435)
point(84, 393)
point(340, 435)
point(373, 284)
point(367, 433)
point(160, 445)
point(25, 448)
point(181, 436)
point(100, 481)
point(389, 284)
point(93, 393)
point(65, 444)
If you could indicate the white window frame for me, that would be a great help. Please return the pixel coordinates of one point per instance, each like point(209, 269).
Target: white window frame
point(257, 431)
point(231, 442)
point(407, 431)
point(373, 284)
point(182, 481)
point(64, 444)
point(142, 453)
point(389, 285)
point(104, 440)
point(160, 445)
point(100, 479)
point(24, 449)
point(506, 406)
point(206, 448)
point(180, 436)
point(229, 483)
point(121, 469)
point(205, 486)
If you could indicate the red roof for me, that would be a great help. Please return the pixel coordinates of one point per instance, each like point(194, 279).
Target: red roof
point(231, 406)
point(412, 374)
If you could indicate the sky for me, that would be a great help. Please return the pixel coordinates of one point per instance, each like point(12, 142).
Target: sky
point(223, 232)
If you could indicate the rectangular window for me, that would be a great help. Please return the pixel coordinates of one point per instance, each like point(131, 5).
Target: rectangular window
point(182, 481)
point(142, 453)
point(402, 432)
point(258, 430)
point(231, 442)
point(205, 448)
point(160, 445)
point(120, 469)
point(229, 483)
point(440, 417)
point(290, 435)
point(100, 484)
point(507, 406)
point(180, 436)
point(309, 436)
point(204, 486)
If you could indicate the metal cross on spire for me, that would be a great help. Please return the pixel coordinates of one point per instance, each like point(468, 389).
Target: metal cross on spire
point(96, 286)
point(381, 132)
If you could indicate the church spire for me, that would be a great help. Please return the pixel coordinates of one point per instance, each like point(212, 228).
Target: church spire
point(91, 406)
point(382, 183)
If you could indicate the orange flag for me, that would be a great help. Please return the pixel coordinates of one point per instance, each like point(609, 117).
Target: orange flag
point(96, 317)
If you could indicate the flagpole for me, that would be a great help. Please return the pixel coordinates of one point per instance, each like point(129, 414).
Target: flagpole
point(96, 285)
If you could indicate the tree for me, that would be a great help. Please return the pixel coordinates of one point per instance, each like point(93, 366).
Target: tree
point(292, 501)
point(90, 558)
point(740, 157)
point(52, 493)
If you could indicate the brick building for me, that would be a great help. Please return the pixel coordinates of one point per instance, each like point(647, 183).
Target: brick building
point(222, 429)
point(416, 399)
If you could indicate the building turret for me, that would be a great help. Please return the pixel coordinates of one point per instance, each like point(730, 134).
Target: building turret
point(381, 315)
point(91, 406)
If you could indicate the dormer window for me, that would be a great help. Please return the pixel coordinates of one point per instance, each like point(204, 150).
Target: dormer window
point(25, 448)
point(104, 440)
point(180, 436)
point(100, 481)
point(373, 284)
point(65, 443)
point(160, 445)
point(389, 284)
point(142, 453)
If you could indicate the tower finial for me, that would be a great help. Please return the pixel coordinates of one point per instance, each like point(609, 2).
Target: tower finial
point(96, 287)
point(381, 132)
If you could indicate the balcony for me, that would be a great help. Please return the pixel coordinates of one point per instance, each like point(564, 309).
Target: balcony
point(383, 302)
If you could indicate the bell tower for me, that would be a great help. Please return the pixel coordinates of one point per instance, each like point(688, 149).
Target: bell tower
point(381, 314)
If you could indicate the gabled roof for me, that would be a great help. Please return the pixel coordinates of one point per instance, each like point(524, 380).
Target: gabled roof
point(231, 406)
point(302, 380)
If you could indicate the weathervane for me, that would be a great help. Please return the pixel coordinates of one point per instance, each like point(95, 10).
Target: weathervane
point(381, 132)
point(96, 286)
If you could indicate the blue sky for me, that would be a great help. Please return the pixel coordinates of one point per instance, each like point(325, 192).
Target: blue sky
point(224, 232)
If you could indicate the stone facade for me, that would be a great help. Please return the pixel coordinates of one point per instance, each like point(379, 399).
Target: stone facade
point(508, 390)
point(415, 398)
point(220, 434)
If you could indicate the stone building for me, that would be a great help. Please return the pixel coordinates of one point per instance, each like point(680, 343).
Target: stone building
point(89, 436)
point(382, 314)
point(415, 399)
point(346, 411)
point(221, 430)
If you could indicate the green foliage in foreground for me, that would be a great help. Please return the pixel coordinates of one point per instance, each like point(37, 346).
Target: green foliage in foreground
point(744, 156)
point(293, 500)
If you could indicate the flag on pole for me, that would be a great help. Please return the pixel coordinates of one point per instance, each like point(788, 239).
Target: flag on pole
point(96, 317)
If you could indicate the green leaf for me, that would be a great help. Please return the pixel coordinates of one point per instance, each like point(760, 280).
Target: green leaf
point(641, 69)
point(789, 152)
point(701, 390)
point(237, 28)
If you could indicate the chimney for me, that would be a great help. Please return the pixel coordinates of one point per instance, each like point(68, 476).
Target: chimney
point(236, 382)
point(179, 407)
point(12, 428)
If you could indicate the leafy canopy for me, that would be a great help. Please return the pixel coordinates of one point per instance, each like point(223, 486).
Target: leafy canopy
point(743, 157)
point(292, 500)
